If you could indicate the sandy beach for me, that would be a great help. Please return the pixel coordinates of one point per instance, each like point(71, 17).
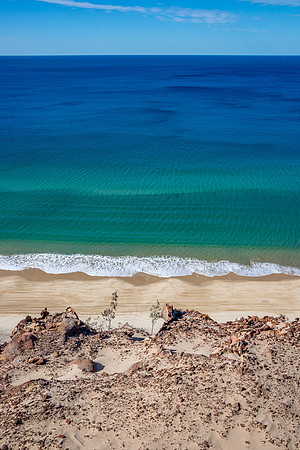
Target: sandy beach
point(223, 298)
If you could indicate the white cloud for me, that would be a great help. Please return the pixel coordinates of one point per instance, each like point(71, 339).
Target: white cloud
point(292, 3)
point(164, 13)
point(250, 30)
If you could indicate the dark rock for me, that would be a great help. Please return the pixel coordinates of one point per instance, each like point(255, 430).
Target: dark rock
point(86, 364)
point(17, 346)
point(69, 327)
point(44, 313)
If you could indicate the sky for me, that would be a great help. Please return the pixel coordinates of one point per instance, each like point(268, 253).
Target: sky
point(123, 27)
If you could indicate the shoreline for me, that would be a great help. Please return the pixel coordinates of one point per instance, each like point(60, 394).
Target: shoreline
point(35, 274)
point(223, 298)
point(99, 265)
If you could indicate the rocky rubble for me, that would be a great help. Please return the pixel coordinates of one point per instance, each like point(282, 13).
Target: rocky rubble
point(196, 384)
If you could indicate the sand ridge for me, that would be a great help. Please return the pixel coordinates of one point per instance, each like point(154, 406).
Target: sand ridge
point(27, 292)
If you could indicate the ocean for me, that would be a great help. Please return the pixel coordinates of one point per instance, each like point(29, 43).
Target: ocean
point(168, 165)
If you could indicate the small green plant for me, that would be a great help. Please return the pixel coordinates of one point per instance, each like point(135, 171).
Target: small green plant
point(110, 313)
point(103, 322)
point(96, 323)
point(155, 312)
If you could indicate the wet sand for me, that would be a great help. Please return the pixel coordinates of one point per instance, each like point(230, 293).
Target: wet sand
point(223, 298)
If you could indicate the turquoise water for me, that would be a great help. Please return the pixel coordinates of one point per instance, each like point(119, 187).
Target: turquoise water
point(191, 157)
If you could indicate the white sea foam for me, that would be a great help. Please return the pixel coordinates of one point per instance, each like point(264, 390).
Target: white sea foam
point(127, 266)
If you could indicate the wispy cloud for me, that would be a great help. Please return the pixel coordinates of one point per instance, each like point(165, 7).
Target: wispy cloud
point(175, 14)
point(292, 3)
point(250, 30)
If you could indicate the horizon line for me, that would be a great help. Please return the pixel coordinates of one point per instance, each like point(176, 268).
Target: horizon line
point(149, 54)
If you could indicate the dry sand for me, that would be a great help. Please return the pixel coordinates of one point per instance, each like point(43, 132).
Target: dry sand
point(196, 384)
point(223, 298)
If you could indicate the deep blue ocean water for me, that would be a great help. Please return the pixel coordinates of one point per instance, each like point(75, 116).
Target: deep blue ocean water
point(178, 156)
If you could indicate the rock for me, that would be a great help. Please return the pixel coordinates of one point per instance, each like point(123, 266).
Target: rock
point(69, 327)
point(22, 325)
point(50, 325)
point(134, 367)
point(126, 329)
point(85, 364)
point(44, 313)
point(234, 339)
point(72, 311)
point(167, 312)
point(17, 346)
point(32, 360)
point(40, 361)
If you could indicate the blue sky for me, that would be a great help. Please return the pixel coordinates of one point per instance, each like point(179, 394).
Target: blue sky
point(47, 27)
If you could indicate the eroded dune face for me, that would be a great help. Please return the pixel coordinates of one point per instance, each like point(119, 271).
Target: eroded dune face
point(195, 384)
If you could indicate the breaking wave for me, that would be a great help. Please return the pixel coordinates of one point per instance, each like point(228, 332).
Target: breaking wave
point(127, 266)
